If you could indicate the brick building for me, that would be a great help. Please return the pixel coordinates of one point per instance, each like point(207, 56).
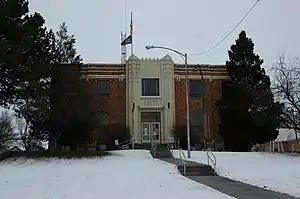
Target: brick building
point(148, 95)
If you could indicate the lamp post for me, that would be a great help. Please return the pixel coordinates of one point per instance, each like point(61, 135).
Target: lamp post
point(184, 56)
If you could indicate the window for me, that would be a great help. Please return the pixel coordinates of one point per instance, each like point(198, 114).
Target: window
point(197, 121)
point(150, 116)
point(150, 87)
point(196, 118)
point(196, 88)
point(103, 87)
point(101, 119)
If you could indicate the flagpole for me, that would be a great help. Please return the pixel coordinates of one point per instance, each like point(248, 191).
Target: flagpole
point(133, 103)
point(131, 32)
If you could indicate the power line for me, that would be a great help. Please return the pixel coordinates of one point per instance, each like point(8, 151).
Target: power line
point(235, 27)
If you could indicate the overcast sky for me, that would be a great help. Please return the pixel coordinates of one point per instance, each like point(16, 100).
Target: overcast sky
point(190, 26)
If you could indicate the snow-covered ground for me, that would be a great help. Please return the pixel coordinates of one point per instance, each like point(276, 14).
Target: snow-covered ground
point(277, 172)
point(126, 174)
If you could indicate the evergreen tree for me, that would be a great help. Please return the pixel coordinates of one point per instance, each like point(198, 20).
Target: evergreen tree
point(25, 52)
point(29, 57)
point(70, 115)
point(65, 49)
point(26, 55)
point(247, 109)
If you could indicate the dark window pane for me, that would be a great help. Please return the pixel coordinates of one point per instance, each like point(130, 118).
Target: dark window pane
point(150, 87)
point(103, 86)
point(150, 116)
point(197, 122)
point(196, 118)
point(196, 88)
point(197, 129)
point(101, 119)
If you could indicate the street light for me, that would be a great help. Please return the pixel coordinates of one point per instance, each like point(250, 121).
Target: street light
point(184, 56)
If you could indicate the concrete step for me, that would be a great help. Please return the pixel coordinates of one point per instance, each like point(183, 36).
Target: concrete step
point(163, 154)
point(142, 146)
point(197, 170)
point(198, 173)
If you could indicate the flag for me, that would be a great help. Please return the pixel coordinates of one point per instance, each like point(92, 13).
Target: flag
point(127, 41)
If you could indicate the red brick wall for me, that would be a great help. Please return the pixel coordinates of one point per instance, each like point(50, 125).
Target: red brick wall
point(180, 102)
point(117, 101)
point(115, 104)
point(212, 94)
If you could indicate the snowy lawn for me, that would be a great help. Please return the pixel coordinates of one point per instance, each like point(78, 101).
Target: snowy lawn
point(126, 174)
point(277, 172)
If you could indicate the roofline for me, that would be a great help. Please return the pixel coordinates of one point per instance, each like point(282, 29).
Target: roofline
point(101, 64)
point(175, 65)
point(204, 65)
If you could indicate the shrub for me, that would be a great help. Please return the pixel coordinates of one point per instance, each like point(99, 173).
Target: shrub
point(109, 133)
point(52, 154)
point(118, 132)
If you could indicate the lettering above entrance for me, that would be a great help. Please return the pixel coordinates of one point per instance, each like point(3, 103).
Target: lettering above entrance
point(151, 103)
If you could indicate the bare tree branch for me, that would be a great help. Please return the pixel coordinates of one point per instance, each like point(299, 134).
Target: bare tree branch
point(286, 88)
point(7, 134)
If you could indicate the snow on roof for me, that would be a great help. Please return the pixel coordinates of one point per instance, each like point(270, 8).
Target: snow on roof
point(286, 135)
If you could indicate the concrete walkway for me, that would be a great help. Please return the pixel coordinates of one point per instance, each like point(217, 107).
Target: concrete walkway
point(230, 187)
point(238, 189)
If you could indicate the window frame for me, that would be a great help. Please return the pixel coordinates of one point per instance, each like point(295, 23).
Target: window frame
point(200, 125)
point(195, 94)
point(201, 116)
point(102, 93)
point(143, 86)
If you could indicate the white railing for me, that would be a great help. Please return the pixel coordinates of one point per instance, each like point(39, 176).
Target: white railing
point(153, 146)
point(170, 146)
point(182, 160)
point(125, 144)
point(211, 158)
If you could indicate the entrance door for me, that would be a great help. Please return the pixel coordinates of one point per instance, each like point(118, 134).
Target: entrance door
point(150, 127)
point(151, 132)
point(155, 131)
point(146, 132)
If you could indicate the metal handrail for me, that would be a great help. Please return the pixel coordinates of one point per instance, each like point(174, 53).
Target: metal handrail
point(170, 146)
point(153, 145)
point(182, 159)
point(124, 143)
point(211, 158)
point(178, 142)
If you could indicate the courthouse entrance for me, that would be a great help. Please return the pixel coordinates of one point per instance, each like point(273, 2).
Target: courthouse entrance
point(151, 127)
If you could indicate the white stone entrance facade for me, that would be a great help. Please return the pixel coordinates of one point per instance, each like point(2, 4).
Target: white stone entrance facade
point(150, 98)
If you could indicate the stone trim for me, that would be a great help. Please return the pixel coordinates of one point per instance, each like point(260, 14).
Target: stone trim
point(179, 77)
